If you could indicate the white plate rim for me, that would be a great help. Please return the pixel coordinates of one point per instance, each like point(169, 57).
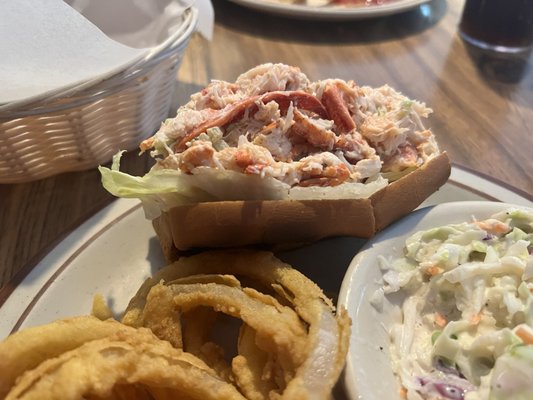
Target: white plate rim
point(454, 212)
point(330, 12)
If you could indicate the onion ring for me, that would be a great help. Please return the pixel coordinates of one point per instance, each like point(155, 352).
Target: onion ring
point(198, 323)
point(316, 367)
point(279, 330)
point(290, 343)
point(26, 349)
point(253, 368)
point(128, 364)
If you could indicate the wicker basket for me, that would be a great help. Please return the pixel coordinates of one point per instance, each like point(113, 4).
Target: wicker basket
point(85, 128)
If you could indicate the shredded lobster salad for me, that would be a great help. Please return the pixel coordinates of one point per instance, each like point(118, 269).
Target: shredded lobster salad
point(274, 134)
point(467, 329)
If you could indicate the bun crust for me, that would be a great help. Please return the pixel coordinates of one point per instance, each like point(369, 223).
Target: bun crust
point(294, 222)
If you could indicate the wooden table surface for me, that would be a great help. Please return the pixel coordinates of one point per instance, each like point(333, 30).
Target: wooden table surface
point(483, 107)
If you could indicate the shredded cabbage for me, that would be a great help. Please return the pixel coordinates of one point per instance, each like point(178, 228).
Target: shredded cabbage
point(469, 306)
point(161, 189)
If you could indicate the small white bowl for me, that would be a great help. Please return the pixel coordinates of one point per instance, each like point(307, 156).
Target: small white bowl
point(368, 374)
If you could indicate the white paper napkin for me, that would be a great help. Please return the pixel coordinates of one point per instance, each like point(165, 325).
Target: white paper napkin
point(47, 45)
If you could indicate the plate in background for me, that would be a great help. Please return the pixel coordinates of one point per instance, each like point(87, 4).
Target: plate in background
point(330, 12)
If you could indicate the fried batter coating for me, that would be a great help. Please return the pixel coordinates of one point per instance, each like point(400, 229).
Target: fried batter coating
point(290, 343)
point(299, 344)
point(26, 349)
point(131, 364)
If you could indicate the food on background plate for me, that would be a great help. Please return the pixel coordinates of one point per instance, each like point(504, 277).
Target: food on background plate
point(467, 329)
point(174, 341)
point(275, 158)
point(339, 3)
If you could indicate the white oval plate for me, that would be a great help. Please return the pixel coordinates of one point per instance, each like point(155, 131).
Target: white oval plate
point(368, 374)
point(116, 249)
point(330, 12)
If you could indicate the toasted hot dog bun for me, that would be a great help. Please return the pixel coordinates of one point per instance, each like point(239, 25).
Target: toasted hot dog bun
point(295, 222)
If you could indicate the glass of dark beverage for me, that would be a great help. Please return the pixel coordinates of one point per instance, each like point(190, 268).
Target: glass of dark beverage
point(499, 25)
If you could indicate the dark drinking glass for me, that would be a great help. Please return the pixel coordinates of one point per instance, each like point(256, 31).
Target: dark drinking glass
point(500, 25)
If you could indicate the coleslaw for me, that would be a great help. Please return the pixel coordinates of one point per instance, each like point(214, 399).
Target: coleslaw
point(467, 305)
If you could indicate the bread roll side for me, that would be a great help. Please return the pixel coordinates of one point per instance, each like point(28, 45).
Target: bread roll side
point(404, 195)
